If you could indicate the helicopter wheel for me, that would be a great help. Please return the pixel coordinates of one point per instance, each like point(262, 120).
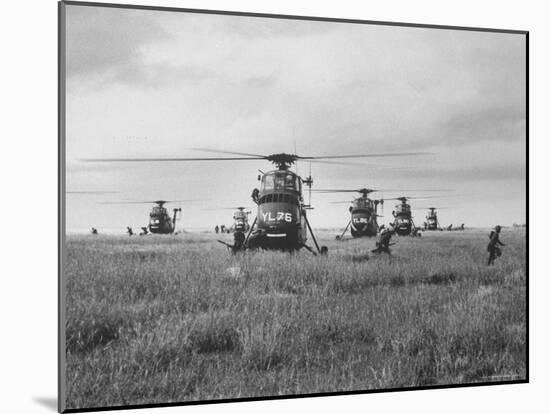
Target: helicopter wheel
point(324, 250)
point(337, 237)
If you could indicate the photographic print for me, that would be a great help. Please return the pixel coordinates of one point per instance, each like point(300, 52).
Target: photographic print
point(258, 206)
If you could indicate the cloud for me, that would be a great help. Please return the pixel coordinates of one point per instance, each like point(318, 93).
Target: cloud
point(107, 41)
point(494, 122)
point(121, 47)
point(260, 85)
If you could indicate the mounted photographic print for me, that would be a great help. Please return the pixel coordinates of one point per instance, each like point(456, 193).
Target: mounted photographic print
point(257, 206)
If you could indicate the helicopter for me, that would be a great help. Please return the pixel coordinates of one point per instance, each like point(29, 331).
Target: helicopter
point(281, 222)
point(363, 210)
point(432, 223)
point(240, 219)
point(160, 221)
point(403, 222)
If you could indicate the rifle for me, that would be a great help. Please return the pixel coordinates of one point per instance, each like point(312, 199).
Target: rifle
point(230, 246)
point(234, 248)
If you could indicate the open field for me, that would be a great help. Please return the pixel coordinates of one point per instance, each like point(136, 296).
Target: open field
point(177, 318)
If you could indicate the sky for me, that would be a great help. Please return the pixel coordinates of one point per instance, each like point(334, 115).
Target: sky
point(158, 84)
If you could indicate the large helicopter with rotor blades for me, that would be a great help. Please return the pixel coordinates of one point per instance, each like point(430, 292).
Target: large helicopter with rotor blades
point(403, 220)
point(363, 210)
point(281, 221)
point(160, 221)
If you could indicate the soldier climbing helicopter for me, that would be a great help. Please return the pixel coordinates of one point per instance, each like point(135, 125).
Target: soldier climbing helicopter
point(281, 222)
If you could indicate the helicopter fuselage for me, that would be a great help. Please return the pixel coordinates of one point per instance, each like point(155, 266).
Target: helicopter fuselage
point(240, 221)
point(363, 218)
point(403, 222)
point(431, 222)
point(160, 221)
point(281, 217)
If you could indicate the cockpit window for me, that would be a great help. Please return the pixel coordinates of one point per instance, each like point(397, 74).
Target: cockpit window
point(290, 182)
point(402, 208)
point(158, 210)
point(268, 182)
point(279, 182)
point(362, 203)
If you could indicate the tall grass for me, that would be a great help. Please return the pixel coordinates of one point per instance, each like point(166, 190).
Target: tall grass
point(159, 319)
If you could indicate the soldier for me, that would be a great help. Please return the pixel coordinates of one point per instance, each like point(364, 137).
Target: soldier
point(256, 196)
point(383, 243)
point(94, 230)
point(222, 228)
point(238, 242)
point(217, 229)
point(144, 231)
point(129, 231)
point(492, 247)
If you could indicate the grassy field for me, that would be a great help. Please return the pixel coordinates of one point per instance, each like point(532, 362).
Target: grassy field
point(177, 318)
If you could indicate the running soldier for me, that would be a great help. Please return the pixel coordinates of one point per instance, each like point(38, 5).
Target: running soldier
point(383, 243)
point(238, 242)
point(492, 248)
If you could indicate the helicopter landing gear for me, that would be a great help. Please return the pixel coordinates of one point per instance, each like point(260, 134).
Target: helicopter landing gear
point(309, 249)
point(341, 236)
point(250, 232)
point(324, 249)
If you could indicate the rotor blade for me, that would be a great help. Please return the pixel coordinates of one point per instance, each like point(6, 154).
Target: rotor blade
point(146, 201)
point(414, 198)
point(383, 154)
point(359, 164)
point(360, 190)
point(227, 152)
point(332, 191)
point(166, 159)
point(341, 202)
point(372, 190)
point(228, 208)
point(125, 202)
point(428, 190)
point(355, 164)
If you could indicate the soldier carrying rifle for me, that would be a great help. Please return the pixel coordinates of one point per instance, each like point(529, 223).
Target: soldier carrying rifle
point(383, 244)
point(238, 242)
point(492, 247)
